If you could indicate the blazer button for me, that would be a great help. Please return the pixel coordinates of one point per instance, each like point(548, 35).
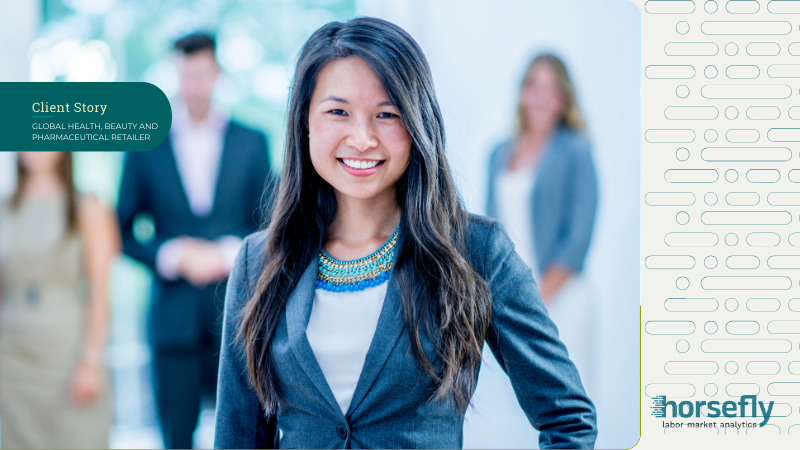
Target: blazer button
point(341, 430)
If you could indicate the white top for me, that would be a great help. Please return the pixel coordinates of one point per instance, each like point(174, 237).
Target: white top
point(514, 191)
point(197, 147)
point(340, 331)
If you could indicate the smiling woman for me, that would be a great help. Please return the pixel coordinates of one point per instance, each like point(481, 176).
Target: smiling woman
point(358, 317)
point(355, 130)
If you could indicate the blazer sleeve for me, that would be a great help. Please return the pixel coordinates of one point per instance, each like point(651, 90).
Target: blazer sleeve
point(525, 343)
point(240, 419)
point(133, 199)
point(580, 210)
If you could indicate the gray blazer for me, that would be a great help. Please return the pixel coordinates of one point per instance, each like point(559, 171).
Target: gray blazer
point(390, 406)
point(564, 199)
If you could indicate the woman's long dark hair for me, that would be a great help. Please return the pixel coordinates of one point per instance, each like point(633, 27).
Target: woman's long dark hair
point(441, 292)
point(64, 171)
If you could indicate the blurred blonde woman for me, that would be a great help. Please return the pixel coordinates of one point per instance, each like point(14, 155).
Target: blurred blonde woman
point(56, 247)
point(543, 187)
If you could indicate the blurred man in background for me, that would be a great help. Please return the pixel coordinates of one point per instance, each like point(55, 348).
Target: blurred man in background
point(203, 189)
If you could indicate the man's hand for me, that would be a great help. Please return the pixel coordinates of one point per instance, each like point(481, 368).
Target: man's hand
point(202, 262)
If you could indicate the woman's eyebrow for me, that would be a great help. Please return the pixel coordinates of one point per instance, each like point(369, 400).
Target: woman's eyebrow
point(333, 98)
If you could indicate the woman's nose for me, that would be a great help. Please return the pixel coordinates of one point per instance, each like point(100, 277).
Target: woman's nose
point(362, 135)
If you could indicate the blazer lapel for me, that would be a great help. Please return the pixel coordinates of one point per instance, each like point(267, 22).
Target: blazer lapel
point(298, 311)
point(176, 174)
point(497, 163)
point(391, 323)
point(551, 142)
point(505, 155)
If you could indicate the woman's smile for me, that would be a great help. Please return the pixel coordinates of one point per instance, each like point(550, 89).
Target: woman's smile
point(360, 167)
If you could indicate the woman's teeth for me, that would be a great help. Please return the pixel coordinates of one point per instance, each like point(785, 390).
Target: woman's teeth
point(359, 164)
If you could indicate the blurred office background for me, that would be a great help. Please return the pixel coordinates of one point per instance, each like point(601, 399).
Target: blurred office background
point(477, 50)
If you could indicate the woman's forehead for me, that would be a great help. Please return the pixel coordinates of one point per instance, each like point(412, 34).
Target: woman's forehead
point(348, 80)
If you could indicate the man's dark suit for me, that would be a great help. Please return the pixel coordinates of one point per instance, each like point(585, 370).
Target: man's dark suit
point(184, 322)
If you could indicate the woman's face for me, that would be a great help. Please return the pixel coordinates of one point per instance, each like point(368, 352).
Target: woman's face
point(541, 97)
point(357, 140)
point(39, 162)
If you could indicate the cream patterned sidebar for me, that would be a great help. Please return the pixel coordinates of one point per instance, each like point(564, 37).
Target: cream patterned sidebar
point(720, 241)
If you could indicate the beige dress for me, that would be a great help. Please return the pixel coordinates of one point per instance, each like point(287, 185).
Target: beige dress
point(43, 292)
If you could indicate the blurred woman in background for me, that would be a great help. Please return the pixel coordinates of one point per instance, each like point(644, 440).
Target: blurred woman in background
point(543, 188)
point(56, 247)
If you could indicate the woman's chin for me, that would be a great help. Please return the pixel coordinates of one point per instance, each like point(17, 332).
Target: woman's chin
point(359, 194)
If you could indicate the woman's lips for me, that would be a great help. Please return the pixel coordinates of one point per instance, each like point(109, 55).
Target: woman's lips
point(365, 172)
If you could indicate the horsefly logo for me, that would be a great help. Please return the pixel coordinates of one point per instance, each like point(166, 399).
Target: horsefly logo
point(748, 406)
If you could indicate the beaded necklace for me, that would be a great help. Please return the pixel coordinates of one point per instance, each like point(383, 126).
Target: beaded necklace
point(358, 274)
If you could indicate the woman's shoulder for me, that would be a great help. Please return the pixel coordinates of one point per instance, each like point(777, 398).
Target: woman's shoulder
point(88, 203)
point(255, 245)
point(481, 227)
point(256, 241)
point(503, 147)
point(487, 242)
point(575, 141)
point(498, 158)
point(251, 254)
point(246, 269)
point(92, 211)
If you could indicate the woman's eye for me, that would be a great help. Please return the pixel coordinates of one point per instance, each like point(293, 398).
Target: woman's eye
point(338, 112)
point(387, 115)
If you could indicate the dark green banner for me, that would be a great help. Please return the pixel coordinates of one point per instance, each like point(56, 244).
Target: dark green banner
point(74, 117)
